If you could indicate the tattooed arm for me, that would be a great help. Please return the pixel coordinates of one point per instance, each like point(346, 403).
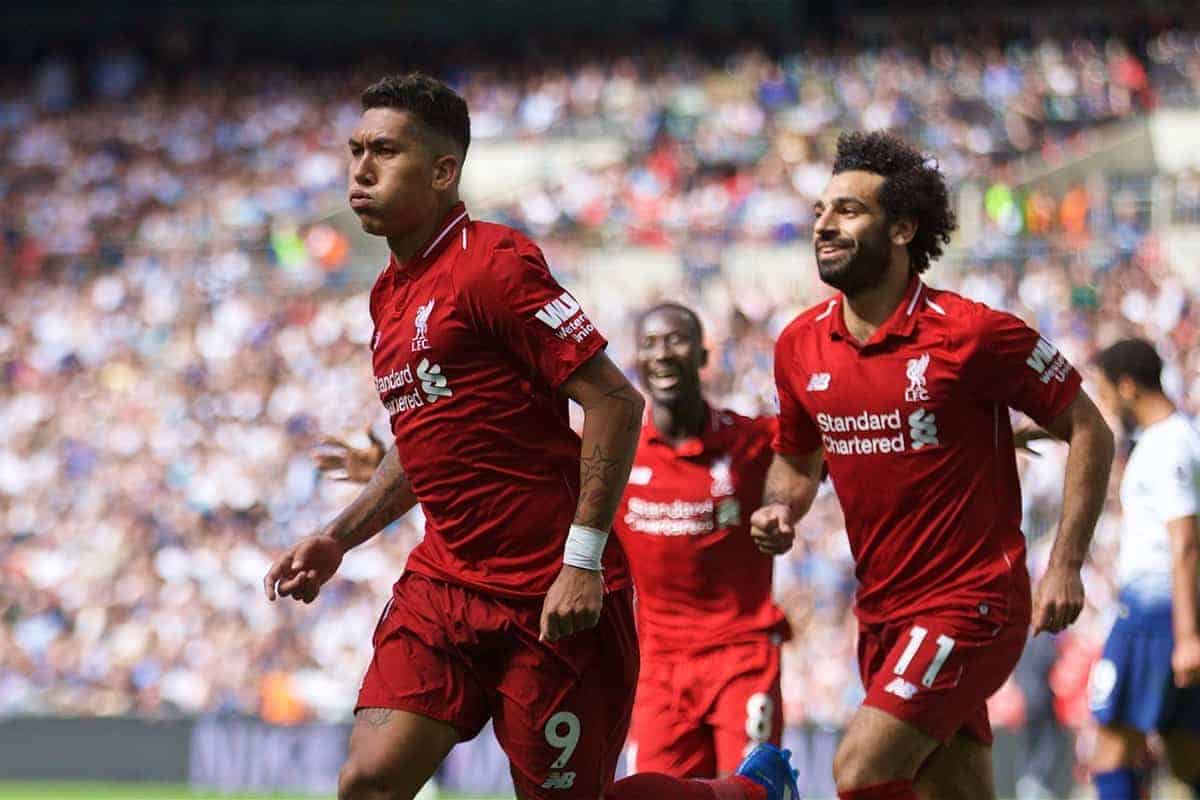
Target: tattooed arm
point(612, 418)
point(386, 497)
point(302, 570)
point(612, 415)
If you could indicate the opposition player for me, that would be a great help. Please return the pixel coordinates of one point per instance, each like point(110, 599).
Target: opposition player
point(905, 392)
point(1148, 676)
point(499, 613)
point(708, 631)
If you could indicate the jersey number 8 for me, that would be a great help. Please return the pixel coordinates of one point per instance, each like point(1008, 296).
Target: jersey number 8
point(760, 709)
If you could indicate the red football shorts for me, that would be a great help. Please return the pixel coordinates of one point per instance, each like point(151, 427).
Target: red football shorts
point(560, 711)
point(697, 714)
point(937, 671)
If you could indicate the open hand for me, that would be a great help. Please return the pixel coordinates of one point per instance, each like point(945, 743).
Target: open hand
point(1029, 433)
point(344, 462)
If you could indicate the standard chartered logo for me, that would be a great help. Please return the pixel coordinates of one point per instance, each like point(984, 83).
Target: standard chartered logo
point(868, 433)
point(923, 428)
point(433, 382)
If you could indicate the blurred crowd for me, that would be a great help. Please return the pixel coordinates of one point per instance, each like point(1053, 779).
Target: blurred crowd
point(175, 339)
point(110, 158)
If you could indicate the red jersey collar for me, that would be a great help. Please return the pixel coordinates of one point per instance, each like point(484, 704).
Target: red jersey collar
point(455, 219)
point(693, 446)
point(900, 324)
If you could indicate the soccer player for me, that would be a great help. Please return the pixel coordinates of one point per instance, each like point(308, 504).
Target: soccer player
point(707, 628)
point(503, 612)
point(1148, 677)
point(708, 631)
point(904, 391)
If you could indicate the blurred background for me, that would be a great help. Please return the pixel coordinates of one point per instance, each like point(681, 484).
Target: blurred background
point(184, 314)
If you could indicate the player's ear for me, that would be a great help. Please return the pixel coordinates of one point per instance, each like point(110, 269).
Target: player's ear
point(703, 357)
point(446, 170)
point(903, 231)
point(1127, 388)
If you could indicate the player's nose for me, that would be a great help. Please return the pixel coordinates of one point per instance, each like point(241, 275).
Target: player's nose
point(362, 174)
point(825, 230)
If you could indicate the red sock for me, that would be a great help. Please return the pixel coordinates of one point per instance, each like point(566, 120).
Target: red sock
point(656, 786)
point(892, 790)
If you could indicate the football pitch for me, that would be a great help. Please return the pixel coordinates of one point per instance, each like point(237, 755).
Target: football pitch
point(135, 791)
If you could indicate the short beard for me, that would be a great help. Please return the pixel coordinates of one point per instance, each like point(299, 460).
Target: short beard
point(864, 269)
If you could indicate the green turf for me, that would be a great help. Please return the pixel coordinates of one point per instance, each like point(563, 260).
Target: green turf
point(149, 791)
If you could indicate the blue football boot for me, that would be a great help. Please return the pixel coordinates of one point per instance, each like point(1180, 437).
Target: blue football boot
point(770, 767)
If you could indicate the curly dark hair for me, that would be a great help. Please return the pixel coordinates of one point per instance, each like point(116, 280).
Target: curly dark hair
point(434, 103)
point(914, 188)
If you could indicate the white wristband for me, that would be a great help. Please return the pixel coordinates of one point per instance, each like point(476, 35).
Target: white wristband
point(585, 547)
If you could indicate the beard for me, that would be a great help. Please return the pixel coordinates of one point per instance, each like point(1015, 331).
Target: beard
point(862, 268)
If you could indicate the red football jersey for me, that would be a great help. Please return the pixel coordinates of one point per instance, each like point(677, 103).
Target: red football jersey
point(473, 337)
point(684, 523)
point(915, 428)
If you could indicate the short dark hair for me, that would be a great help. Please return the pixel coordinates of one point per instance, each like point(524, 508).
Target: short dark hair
point(434, 103)
point(678, 308)
point(914, 188)
point(1133, 358)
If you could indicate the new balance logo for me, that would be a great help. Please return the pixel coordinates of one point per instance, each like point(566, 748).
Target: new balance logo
point(923, 428)
point(559, 780)
point(433, 382)
point(901, 688)
point(818, 381)
point(556, 312)
point(916, 391)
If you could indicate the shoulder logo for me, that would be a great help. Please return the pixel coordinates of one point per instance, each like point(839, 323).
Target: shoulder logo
point(558, 311)
point(1047, 362)
point(420, 340)
point(375, 340)
point(916, 391)
point(819, 381)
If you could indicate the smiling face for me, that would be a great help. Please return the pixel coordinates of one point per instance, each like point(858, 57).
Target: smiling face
point(852, 236)
point(399, 169)
point(670, 354)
